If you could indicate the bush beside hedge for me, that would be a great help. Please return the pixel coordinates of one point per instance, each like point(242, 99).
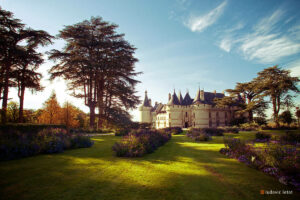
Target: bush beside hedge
point(18, 145)
point(198, 135)
point(173, 130)
point(27, 128)
point(140, 142)
point(290, 137)
point(262, 137)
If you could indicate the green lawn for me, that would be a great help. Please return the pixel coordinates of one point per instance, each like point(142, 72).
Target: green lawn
point(181, 169)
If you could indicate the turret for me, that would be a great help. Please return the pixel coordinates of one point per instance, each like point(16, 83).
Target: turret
point(197, 99)
point(180, 98)
point(202, 95)
point(174, 100)
point(145, 110)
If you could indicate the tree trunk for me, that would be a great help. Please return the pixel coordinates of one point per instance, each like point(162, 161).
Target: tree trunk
point(275, 111)
point(92, 116)
point(250, 116)
point(100, 103)
point(5, 96)
point(21, 117)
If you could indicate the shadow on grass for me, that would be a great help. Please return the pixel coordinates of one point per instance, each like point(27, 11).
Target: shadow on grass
point(181, 169)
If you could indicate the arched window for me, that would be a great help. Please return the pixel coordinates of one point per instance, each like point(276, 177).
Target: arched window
point(186, 114)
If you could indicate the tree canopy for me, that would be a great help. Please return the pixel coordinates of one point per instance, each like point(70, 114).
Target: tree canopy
point(98, 65)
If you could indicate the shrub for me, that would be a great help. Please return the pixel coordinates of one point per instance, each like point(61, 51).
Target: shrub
point(249, 127)
point(260, 120)
point(52, 140)
point(83, 131)
point(80, 141)
point(231, 130)
point(280, 161)
point(173, 130)
point(290, 137)
point(140, 142)
point(202, 137)
point(234, 144)
point(262, 137)
point(213, 131)
point(122, 132)
point(207, 131)
point(29, 129)
point(198, 135)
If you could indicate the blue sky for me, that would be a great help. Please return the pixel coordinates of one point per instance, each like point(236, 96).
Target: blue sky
point(180, 43)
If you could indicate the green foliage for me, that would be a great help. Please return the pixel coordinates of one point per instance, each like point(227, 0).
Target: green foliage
point(262, 136)
point(140, 142)
point(290, 137)
point(231, 130)
point(286, 117)
point(111, 86)
point(17, 145)
point(237, 121)
point(13, 112)
point(260, 120)
point(27, 128)
point(277, 83)
point(173, 130)
point(202, 137)
point(18, 47)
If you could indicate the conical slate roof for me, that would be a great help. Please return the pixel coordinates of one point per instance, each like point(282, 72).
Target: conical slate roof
point(197, 99)
point(187, 99)
point(146, 102)
point(180, 98)
point(174, 100)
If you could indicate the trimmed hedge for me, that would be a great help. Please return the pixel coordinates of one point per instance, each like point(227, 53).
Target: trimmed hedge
point(18, 145)
point(27, 128)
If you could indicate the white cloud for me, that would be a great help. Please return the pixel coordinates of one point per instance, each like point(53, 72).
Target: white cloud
point(265, 43)
point(267, 24)
point(226, 44)
point(294, 67)
point(268, 48)
point(200, 23)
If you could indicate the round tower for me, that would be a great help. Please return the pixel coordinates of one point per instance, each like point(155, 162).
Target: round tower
point(145, 110)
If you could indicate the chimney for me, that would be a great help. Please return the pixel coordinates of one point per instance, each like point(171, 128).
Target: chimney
point(169, 96)
point(215, 92)
point(202, 95)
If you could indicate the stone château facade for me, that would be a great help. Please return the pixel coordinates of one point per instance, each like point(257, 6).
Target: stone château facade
point(199, 112)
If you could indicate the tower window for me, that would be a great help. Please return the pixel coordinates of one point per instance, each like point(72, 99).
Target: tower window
point(186, 114)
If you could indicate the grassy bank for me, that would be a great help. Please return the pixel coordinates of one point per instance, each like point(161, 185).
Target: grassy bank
point(181, 169)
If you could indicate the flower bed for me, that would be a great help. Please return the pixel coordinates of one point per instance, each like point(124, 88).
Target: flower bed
point(198, 135)
point(18, 145)
point(140, 142)
point(277, 160)
point(173, 130)
point(262, 137)
point(290, 138)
